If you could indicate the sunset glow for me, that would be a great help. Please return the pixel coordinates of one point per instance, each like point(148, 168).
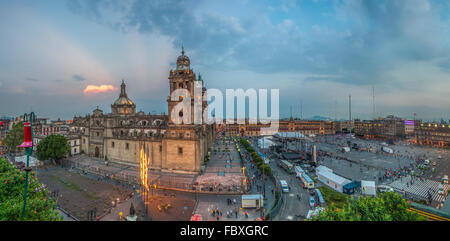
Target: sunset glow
point(99, 89)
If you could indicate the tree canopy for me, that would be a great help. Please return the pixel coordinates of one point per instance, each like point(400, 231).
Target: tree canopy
point(256, 158)
point(14, 137)
point(52, 147)
point(388, 206)
point(39, 206)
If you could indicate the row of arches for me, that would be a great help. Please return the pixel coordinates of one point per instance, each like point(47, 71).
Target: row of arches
point(156, 122)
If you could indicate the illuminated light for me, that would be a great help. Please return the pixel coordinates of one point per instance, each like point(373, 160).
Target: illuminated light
point(143, 167)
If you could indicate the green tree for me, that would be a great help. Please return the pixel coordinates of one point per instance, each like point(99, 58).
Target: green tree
point(39, 206)
point(388, 206)
point(52, 147)
point(14, 137)
point(256, 158)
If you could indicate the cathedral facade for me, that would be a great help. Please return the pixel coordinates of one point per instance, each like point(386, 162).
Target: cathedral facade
point(170, 146)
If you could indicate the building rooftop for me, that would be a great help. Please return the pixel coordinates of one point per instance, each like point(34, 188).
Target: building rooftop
point(333, 177)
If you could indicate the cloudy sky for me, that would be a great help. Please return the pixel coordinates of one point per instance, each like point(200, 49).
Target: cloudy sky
point(63, 58)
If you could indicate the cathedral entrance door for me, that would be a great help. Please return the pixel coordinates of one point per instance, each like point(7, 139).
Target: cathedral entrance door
point(97, 152)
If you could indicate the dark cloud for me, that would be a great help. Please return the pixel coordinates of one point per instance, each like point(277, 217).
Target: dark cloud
point(78, 77)
point(32, 79)
point(377, 35)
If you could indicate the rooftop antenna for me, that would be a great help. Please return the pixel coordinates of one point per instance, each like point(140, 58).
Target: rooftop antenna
point(301, 109)
point(335, 109)
point(373, 102)
point(350, 107)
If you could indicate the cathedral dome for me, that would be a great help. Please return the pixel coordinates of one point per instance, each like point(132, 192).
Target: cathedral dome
point(123, 97)
point(123, 105)
point(123, 101)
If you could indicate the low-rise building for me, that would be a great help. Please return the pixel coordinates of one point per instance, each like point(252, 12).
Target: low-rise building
point(74, 142)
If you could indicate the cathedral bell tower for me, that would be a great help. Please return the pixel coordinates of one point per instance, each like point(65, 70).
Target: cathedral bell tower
point(182, 81)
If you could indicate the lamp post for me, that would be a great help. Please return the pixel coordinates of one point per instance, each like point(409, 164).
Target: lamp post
point(28, 145)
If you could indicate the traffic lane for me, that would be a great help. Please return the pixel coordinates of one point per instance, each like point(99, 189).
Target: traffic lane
point(296, 207)
point(293, 208)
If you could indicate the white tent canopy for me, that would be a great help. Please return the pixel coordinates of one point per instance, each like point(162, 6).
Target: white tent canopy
point(265, 142)
point(322, 168)
point(332, 180)
point(289, 135)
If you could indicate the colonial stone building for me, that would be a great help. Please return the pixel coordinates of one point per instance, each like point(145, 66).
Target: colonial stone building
point(432, 134)
point(390, 127)
point(305, 127)
point(119, 136)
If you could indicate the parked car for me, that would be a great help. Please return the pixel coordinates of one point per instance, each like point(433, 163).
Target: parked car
point(445, 179)
point(384, 188)
point(441, 190)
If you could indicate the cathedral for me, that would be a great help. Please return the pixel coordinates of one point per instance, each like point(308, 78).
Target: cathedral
point(170, 147)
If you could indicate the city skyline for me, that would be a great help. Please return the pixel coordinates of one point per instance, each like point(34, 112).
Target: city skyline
point(315, 52)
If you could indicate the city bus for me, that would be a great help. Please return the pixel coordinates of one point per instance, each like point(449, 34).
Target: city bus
point(307, 181)
point(286, 165)
point(284, 186)
point(320, 197)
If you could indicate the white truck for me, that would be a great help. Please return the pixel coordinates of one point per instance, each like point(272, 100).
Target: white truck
point(387, 149)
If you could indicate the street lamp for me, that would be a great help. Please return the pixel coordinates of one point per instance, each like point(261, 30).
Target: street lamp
point(28, 145)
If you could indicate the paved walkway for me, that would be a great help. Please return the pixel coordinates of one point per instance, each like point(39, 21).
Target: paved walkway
point(219, 202)
point(124, 207)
